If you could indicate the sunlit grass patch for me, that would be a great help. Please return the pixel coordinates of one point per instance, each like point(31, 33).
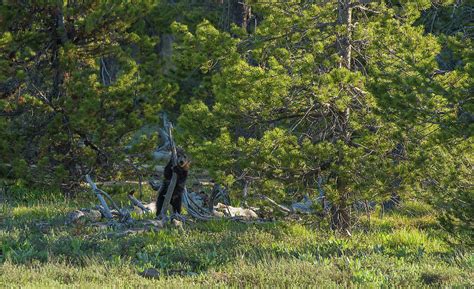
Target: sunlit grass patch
point(395, 221)
point(25, 212)
point(300, 231)
point(413, 238)
point(414, 209)
point(223, 253)
point(405, 243)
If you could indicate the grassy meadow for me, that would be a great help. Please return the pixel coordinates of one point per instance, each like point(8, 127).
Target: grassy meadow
point(399, 249)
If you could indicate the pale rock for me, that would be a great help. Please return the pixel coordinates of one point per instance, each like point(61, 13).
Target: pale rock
point(74, 217)
point(177, 223)
point(247, 214)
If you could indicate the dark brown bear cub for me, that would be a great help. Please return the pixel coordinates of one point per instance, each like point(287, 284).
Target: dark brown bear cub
point(181, 169)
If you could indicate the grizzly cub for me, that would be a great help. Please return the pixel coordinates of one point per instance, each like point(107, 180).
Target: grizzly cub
point(181, 169)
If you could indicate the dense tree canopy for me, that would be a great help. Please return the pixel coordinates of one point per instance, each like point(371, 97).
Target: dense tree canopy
point(357, 100)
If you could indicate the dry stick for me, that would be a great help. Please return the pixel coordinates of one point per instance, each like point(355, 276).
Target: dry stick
point(281, 207)
point(111, 201)
point(174, 178)
point(97, 192)
point(137, 203)
point(124, 214)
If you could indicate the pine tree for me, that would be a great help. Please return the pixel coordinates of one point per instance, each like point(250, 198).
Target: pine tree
point(75, 86)
point(82, 83)
point(340, 92)
point(354, 100)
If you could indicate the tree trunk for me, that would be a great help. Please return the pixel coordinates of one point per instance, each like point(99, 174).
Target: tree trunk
point(340, 216)
point(165, 49)
point(246, 15)
point(344, 41)
point(60, 38)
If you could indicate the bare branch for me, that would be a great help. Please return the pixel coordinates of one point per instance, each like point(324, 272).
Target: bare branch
point(97, 192)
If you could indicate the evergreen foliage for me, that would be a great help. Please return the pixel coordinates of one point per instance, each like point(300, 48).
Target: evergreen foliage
point(359, 100)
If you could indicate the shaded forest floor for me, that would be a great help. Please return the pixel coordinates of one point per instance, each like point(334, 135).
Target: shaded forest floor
point(403, 248)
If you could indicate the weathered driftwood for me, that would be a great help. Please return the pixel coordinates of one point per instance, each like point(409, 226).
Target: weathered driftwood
point(191, 203)
point(303, 207)
point(123, 214)
point(219, 210)
point(151, 273)
point(245, 214)
point(74, 217)
point(163, 151)
point(281, 207)
point(197, 208)
point(97, 192)
point(174, 178)
point(137, 203)
point(195, 205)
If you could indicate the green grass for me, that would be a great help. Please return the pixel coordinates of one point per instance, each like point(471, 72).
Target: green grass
point(399, 249)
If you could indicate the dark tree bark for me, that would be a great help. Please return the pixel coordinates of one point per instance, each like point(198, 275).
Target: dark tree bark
point(59, 39)
point(340, 216)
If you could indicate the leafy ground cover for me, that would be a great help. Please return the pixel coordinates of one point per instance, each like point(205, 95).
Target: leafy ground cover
point(402, 248)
